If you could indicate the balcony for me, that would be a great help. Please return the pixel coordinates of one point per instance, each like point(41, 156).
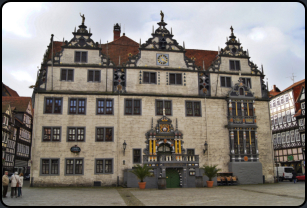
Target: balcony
point(179, 159)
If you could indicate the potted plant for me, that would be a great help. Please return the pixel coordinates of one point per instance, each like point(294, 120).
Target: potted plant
point(141, 173)
point(210, 172)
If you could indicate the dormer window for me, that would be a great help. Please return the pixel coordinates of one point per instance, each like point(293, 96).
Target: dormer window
point(81, 56)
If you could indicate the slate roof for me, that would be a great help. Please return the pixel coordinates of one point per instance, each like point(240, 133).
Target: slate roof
point(12, 93)
point(20, 103)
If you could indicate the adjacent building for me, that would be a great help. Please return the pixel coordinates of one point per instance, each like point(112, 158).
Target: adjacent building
point(289, 143)
point(100, 109)
point(18, 131)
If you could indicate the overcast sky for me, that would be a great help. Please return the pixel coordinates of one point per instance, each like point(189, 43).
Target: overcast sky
point(273, 33)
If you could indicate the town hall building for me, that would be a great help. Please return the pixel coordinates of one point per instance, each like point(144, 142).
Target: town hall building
point(100, 109)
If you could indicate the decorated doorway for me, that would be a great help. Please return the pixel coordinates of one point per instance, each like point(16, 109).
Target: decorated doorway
point(172, 178)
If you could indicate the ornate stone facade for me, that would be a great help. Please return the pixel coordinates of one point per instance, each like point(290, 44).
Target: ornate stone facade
point(158, 102)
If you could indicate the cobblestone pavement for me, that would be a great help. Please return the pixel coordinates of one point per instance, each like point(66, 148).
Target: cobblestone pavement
point(280, 194)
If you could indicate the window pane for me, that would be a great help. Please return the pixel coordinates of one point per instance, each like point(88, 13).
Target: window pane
point(189, 108)
point(57, 105)
point(56, 134)
point(78, 167)
point(80, 134)
point(178, 79)
point(136, 156)
point(47, 134)
point(171, 78)
point(70, 75)
point(167, 107)
point(81, 106)
point(232, 65)
point(77, 57)
point(45, 166)
point(100, 107)
point(146, 77)
point(97, 76)
point(137, 107)
point(73, 106)
point(128, 109)
point(54, 166)
point(84, 56)
point(109, 108)
point(69, 166)
point(228, 82)
point(223, 80)
point(71, 134)
point(108, 167)
point(99, 166)
point(237, 65)
point(49, 102)
point(90, 75)
point(152, 78)
point(196, 108)
point(100, 133)
point(63, 74)
point(159, 107)
point(109, 134)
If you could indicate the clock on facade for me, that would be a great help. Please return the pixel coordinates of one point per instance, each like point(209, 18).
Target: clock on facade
point(162, 59)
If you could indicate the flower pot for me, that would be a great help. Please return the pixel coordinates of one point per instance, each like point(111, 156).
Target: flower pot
point(142, 185)
point(209, 184)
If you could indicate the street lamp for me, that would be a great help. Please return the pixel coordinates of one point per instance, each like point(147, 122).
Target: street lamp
point(206, 147)
point(124, 146)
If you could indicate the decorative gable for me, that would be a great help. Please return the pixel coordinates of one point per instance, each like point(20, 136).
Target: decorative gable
point(241, 91)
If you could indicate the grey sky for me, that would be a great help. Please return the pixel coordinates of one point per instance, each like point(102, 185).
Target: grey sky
point(273, 33)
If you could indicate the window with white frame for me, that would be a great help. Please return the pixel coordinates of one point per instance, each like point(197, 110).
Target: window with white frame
point(286, 98)
point(288, 116)
point(292, 136)
point(287, 137)
point(283, 138)
point(277, 102)
point(279, 118)
point(297, 135)
point(292, 114)
point(275, 120)
point(282, 100)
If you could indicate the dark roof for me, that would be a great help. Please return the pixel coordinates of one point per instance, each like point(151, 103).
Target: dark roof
point(20, 103)
point(12, 93)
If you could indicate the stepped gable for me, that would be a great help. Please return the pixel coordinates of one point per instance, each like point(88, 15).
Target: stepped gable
point(120, 47)
point(20, 103)
point(12, 93)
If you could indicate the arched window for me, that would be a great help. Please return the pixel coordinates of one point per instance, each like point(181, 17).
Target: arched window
point(164, 148)
point(241, 91)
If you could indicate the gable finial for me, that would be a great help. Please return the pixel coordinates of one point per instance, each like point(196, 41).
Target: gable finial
point(162, 16)
point(231, 30)
point(151, 122)
point(75, 28)
point(176, 124)
point(262, 68)
point(140, 42)
point(183, 45)
point(152, 29)
point(83, 18)
point(171, 31)
point(90, 30)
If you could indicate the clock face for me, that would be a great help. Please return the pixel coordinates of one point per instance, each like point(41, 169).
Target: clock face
point(162, 59)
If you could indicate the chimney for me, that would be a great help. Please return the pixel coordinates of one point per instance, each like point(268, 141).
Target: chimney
point(116, 31)
point(274, 88)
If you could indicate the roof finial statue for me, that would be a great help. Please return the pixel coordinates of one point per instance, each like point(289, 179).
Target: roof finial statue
point(83, 18)
point(231, 30)
point(162, 16)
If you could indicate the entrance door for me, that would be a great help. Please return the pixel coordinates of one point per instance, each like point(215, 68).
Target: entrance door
point(172, 178)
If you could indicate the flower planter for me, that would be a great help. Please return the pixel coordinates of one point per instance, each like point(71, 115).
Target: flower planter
point(209, 184)
point(142, 185)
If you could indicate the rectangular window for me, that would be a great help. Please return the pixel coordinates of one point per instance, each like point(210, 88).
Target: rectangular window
point(253, 144)
point(234, 65)
point(74, 166)
point(51, 134)
point(235, 133)
point(104, 106)
point(53, 105)
point(282, 100)
point(132, 107)
point(274, 103)
point(149, 78)
point(292, 136)
point(93, 76)
point(286, 98)
point(284, 117)
point(104, 134)
point(175, 79)
point(193, 108)
point(190, 152)
point(50, 166)
point(297, 135)
point(77, 106)
point(247, 82)
point(137, 156)
point(167, 104)
point(278, 138)
point(225, 81)
point(104, 166)
point(81, 56)
point(67, 75)
point(76, 134)
point(239, 109)
point(283, 138)
point(277, 102)
point(287, 137)
point(279, 118)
